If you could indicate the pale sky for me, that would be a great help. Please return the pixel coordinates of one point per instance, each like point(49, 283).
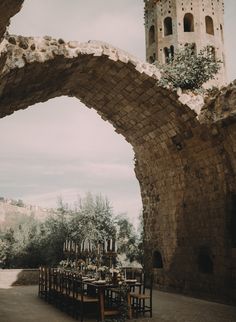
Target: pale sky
point(60, 147)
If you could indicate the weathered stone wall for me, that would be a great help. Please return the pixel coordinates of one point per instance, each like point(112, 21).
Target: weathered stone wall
point(186, 168)
point(18, 277)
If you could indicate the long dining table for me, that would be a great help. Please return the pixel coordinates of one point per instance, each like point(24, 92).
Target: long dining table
point(102, 286)
point(56, 284)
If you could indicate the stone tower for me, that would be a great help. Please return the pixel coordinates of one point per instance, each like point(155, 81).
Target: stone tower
point(171, 24)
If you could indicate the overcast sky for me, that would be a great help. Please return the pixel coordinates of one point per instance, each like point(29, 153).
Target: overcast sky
point(61, 148)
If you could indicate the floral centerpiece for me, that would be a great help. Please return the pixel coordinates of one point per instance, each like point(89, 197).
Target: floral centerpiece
point(103, 270)
point(67, 264)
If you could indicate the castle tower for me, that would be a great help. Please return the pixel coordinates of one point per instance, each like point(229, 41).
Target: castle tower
point(171, 24)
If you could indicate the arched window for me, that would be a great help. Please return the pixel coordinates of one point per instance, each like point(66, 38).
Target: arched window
point(151, 35)
point(209, 25)
point(188, 22)
point(152, 58)
point(168, 28)
point(205, 262)
point(166, 55)
point(157, 260)
point(222, 33)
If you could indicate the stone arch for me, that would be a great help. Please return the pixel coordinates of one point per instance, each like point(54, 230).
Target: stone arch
point(209, 25)
point(152, 35)
point(188, 22)
point(168, 26)
point(175, 155)
point(123, 91)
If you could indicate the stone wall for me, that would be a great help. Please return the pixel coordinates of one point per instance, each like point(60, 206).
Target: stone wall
point(185, 165)
point(18, 277)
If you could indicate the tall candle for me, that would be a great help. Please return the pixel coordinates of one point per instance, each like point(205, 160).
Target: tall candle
point(116, 246)
point(70, 242)
point(105, 246)
point(111, 245)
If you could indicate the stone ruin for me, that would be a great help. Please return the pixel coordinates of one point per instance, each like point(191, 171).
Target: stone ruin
point(185, 161)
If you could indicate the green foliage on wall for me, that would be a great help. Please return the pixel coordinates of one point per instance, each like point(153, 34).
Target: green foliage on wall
point(188, 70)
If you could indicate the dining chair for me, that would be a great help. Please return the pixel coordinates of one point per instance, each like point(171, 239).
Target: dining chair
point(141, 299)
point(82, 300)
point(43, 282)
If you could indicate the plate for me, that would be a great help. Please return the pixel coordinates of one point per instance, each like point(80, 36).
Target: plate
point(88, 279)
point(100, 282)
point(130, 281)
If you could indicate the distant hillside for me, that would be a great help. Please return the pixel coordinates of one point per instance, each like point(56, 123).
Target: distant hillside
point(14, 212)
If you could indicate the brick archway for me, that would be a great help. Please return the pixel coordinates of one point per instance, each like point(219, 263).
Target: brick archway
point(182, 165)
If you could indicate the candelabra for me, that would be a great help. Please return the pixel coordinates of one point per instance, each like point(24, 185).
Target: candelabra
point(89, 251)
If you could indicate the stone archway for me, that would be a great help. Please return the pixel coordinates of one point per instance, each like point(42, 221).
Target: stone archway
point(182, 165)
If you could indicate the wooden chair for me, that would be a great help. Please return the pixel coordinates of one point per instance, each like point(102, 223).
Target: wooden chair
point(141, 299)
point(82, 299)
point(112, 302)
point(43, 283)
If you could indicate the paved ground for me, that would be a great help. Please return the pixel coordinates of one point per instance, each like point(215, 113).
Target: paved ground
point(21, 304)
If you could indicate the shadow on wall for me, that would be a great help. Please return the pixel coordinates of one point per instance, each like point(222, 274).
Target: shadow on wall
point(18, 277)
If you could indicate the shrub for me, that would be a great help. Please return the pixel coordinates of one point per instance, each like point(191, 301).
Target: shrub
point(188, 70)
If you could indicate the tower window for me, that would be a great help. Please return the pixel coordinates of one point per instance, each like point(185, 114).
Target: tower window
point(222, 33)
point(168, 28)
point(157, 260)
point(209, 25)
point(151, 35)
point(166, 55)
point(169, 54)
point(188, 22)
point(152, 59)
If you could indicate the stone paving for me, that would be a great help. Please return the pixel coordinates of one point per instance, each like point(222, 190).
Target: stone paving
point(21, 304)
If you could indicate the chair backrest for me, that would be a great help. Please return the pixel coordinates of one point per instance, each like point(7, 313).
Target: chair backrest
point(139, 275)
point(147, 283)
point(78, 287)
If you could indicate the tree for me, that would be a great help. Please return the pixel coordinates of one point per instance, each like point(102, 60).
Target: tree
point(30, 243)
point(93, 219)
point(6, 249)
point(188, 70)
point(127, 238)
